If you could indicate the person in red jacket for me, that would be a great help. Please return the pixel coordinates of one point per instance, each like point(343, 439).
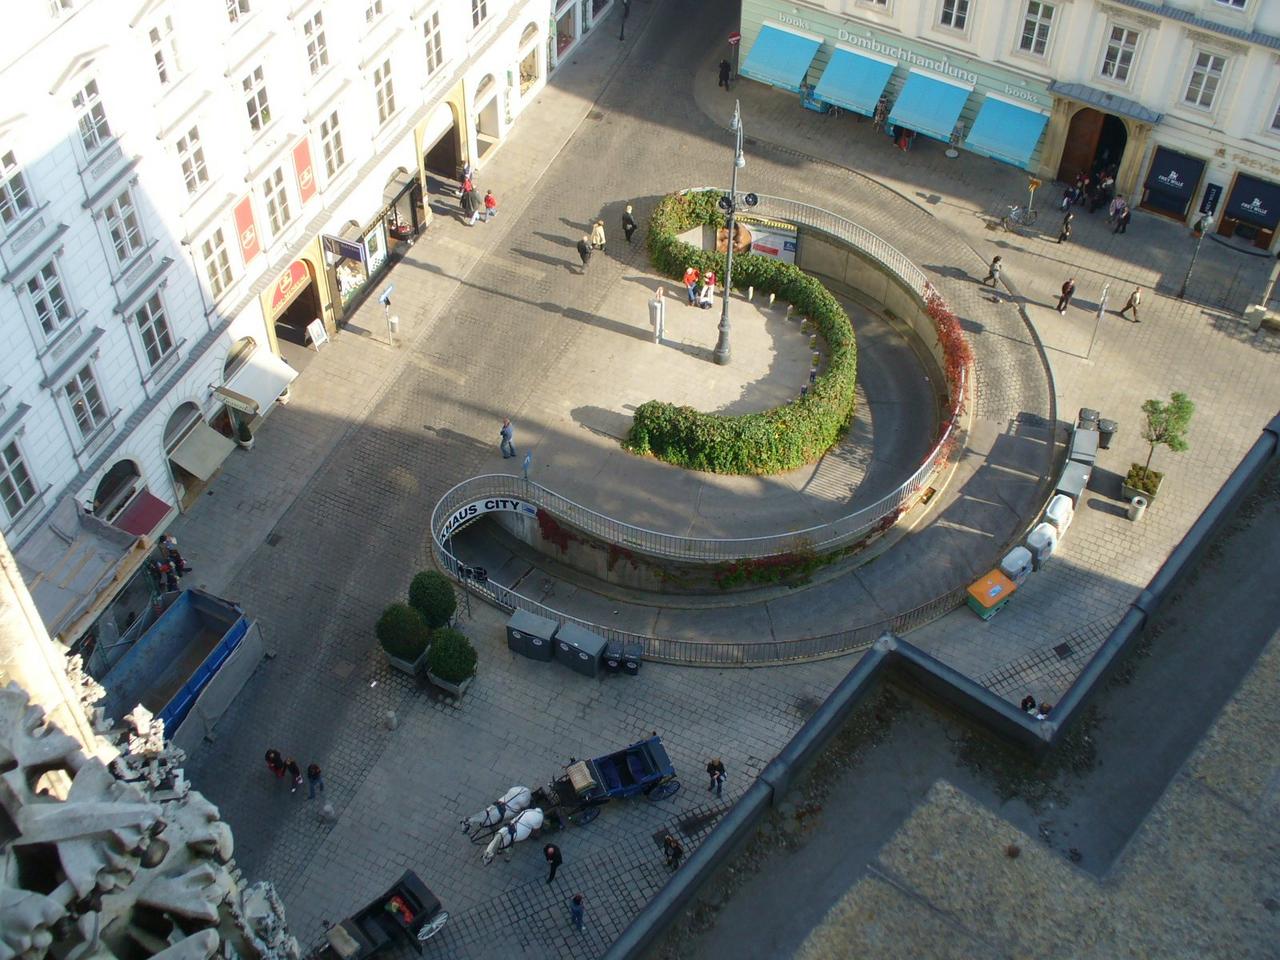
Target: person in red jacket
point(691, 278)
point(490, 206)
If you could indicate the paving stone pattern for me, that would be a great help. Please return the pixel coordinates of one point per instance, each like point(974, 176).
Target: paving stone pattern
point(344, 478)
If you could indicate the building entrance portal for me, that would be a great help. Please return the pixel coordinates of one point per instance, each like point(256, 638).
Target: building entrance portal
point(444, 157)
point(1095, 142)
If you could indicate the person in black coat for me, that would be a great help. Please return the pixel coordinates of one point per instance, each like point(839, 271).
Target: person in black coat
point(584, 251)
point(628, 223)
point(724, 74)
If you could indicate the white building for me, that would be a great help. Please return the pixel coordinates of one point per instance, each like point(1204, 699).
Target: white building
point(187, 185)
point(1181, 98)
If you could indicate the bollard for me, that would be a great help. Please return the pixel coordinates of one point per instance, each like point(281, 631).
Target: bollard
point(804, 392)
point(772, 297)
point(391, 720)
point(1137, 507)
point(751, 292)
point(817, 358)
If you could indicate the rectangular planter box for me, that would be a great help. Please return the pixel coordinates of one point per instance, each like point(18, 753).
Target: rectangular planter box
point(456, 689)
point(412, 668)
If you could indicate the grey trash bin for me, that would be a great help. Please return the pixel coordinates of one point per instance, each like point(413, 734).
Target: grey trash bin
point(632, 658)
point(1106, 430)
point(1137, 507)
point(613, 656)
point(1088, 418)
point(579, 649)
point(530, 635)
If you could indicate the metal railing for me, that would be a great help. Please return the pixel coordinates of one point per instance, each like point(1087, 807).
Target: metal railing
point(823, 537)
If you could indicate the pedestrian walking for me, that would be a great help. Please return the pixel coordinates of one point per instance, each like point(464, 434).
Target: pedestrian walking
point(468, 204)
point(1065, 232)
point(576, 911)
point(672, 851)
point(169, 550)
point(554, 859)
point(1135, 298)
point(597, 235)
point(707, 292)
point(315, 780)
point(628, 223)
point(295, 772)
point(715, 771)
point(724, 74)
point(1068, 291)
point(275, 762)
point(467, 183)
point(1113, 209)
point(490, 206)
point(505, 444)
point(1122, 221)
point(993, 271)
point(584, 251)
point(691, 277)
point(477, 205)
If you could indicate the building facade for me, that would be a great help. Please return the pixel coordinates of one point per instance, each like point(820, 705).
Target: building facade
point(1180, 99)
point(192, 193)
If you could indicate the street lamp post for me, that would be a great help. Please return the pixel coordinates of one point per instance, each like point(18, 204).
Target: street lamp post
point(729, 204)
point(1203, 226)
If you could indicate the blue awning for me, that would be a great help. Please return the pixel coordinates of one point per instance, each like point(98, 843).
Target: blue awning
point(930, 104)
point(1006, 130)
point(780, 57)
point(854, 80)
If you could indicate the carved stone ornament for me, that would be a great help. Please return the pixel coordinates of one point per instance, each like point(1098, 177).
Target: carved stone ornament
point(121, 861)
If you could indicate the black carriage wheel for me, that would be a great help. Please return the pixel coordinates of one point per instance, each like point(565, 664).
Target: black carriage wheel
point(668, 788)
point(585, 816)
point(433, 926)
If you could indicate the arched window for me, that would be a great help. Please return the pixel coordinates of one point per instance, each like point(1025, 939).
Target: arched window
point(238, 356)
point(484, 87)
point(530, 32)
point(116, 489)
point(179, 423)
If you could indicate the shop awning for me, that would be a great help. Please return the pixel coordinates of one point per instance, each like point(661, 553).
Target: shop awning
point(144, 513)
point(1255, 201)
point(202, 451)
point(1006, 130)
point(780, 57)
point(930, 104)
point(1175, 174)
point(261, 380)
point(854, 80)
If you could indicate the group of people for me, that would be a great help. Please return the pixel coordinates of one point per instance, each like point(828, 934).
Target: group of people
point(167, 568)
point(475, 206)
point(283, 766)
point(700, 287)
point(1029, 707)
point(1093, 192)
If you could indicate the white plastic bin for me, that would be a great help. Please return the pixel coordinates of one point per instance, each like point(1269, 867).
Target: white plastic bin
point(1060, 512)
point(1016, 564)
point(1042, 541)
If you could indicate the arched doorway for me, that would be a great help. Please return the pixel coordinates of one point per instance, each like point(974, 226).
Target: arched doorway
point(487, 112)
point(238, 356)
point(292, 303)
point(1095, 142)
point(193, 451)
point(442, 143)
point(116, 488)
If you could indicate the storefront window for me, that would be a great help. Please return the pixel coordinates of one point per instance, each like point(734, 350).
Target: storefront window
point(376, 247)
point(599, 5)
point(566, 32)
point(585, 10)
point(529, 71)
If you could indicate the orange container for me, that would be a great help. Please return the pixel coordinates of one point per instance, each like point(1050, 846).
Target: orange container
point(989, 593)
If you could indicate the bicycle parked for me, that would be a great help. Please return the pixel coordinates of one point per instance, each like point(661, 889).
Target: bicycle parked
point(810, 102)
point(1022, 216)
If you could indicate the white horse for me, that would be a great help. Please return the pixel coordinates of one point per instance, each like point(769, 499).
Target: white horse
point(500, 811)
point(521, 828)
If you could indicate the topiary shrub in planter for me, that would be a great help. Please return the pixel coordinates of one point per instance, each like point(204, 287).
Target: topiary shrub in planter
point(404, 638)
point(1141, 481)
point(431, 594)
point(1164, 424)
point(451, 661)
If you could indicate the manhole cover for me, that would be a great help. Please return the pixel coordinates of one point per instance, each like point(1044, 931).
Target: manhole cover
point(1063, 650)
point(273, 539)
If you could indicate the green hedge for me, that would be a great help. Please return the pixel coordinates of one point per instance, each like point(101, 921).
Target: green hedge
point(754, 443)
point(402, 632)
point(452, 658)
point(431, 594)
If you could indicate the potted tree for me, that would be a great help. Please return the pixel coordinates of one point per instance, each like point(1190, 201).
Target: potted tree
point(451, 661)
point(431, 594)
point(404, 638)
point(1165, 424)
point(243, 436)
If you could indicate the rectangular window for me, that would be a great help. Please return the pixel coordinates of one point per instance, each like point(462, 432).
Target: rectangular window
point(58, 7)
point(94, 129)
point(1233, 4)
point(1275, 119)
point(372, 11)
point(15, 198)
point(1205, 77)
point(255, 100)
point(153, 328)
point(121, 217)
point(1121, 47)
point(217, 263)
point(955, 14)
point(1036, 26)
point(431, 33)
point(384, 91)
point(479, 12)
point(49, 299)
point(194, 173)
point(277, 199)
point(163, 52)
point(86, 402)
point(331, 144)
point(237, 10)
point(16, 488)
point(317, 48)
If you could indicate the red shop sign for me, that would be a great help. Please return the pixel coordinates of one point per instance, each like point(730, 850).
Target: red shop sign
point(288, 285)
point(303, 168)
point(247, 230)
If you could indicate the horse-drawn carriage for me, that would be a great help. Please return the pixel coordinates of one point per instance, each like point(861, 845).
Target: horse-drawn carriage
point(409, 911)
point(576, 796)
